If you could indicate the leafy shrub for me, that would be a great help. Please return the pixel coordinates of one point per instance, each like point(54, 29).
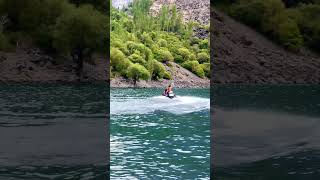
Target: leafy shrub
point(163, 55)
point(309, 24)
point(167, 75)
point(199, 72)
point(194, 67)
point(277, 23)
point(80, 29)
point(289, 35)
point(284, 25)
point(194, 40)
point(158, 70)
point(206, 69)
point(117, 43)
point(162, 43)
point(204, 44)
point(203, 57)
point(273, 13)
point(146, 39)
point(133, 46)
point(131, 37)
point(184, 53)
point(118, 60)
point(52, 9)
point(195, 48)
point(148, 54)
point(249, 12)
point(136, 72)
point(128, 24)
point(192, 57)
point(136, 58)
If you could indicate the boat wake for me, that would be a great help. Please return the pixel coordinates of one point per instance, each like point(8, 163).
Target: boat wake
point(178, 105)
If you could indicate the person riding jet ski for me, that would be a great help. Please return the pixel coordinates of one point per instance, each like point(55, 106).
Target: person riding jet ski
point(168, 92)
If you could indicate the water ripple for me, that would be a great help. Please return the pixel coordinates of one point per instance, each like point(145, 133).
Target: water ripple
point(150, 143)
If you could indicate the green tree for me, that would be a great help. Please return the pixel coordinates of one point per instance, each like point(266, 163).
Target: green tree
point(249, 12)
point(203, 57)
point(162, 43)
point(140, 10)
point(80, 32)
point(163, 55)
point(118, 61)
point(289, 35)
point(159, 71)
point(136, 72)
point(15, 9)
point(184, 53)
point(206, 69)
point(43, 31)
point(136, 58)
point(309, 24)
point(194, 67)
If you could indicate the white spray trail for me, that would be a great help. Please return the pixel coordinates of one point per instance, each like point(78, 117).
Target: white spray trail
point(178, 105)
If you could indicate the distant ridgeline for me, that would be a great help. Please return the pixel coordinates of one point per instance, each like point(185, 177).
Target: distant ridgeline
point(143, 45)
point(75, 28)
point(291, 23)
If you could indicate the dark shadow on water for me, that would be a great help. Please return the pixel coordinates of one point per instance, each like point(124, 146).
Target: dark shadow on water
point(300, 165)
point(266, 132)
point(297, 99)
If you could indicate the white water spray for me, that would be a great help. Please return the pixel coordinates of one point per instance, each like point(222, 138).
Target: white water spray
point(178, 105)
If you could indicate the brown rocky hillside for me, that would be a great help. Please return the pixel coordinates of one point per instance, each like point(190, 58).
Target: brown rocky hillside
point(242, 55)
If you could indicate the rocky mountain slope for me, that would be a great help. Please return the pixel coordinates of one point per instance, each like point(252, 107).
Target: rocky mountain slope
point(32, 65)
point(242, 55)
point(192, 10)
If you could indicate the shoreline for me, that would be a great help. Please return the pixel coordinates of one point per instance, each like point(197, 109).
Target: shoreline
point(124, 83)
point(106, 83)
point(181, 77)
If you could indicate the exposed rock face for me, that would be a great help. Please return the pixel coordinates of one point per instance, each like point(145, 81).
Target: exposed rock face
point(195, 11)
point(192, 10)
point(157, 5)
point(241, 55)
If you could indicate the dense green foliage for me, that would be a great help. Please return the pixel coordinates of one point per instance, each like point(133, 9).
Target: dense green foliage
point(76, 28)
point(292, 23)
point(143, 43)
point(137, 71)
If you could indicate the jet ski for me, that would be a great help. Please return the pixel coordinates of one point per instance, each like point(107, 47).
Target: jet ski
point(170, 95)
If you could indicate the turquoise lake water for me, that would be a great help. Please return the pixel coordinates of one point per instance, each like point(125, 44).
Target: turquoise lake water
point(59, 132)
point(154, 137)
